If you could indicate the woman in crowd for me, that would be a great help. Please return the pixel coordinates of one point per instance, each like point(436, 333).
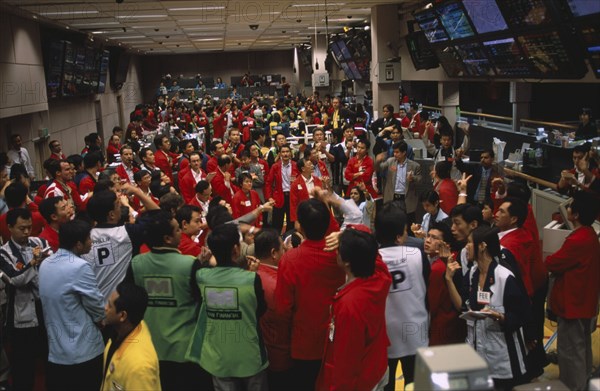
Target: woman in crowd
point(497, 308)
point(114, 145)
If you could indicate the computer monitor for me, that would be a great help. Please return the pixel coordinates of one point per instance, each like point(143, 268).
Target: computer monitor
point(437, 368)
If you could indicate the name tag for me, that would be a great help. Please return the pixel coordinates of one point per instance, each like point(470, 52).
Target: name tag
point(299, 187)
point(483, 297)
point(247, 203)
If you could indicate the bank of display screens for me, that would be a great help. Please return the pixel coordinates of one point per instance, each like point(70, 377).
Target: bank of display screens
point(512, 38)
point(485, 15)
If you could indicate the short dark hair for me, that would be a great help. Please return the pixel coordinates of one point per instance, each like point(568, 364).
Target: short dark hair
point(364, 141)
point(400, 146)
point(430, 196)
point(390, 223)
point(48, 207)
point(144, 152)
point(223, 160)
point(265, 241)
point(158, 225)
point(442, 169)
point(445, 230)
point(170, 201)
point(213, 146)
point(54, 167)
point(586, 205)
point(202, 185)
point(51, 143)
point(221, 240)
point(91, 159)
point(73, 232)
point(75, 160)
point(302, 162)
point(314, 218)
point(137, 177)
point(389, 107)
point(158, 140)
point(518, 209)
point(518, 190)
point(15, 194)
point(100, 205)
point(468, 213)
point(242, 177)
point(124, 147)
point(489, 236)
point(490, 151)
point(185, 213)
point(359, 249)
point(132, 299)
point(13, 214)
point(117, 129)
point(103, 185)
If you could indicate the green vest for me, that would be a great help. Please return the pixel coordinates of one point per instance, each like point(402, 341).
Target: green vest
point(227, 341)
point(172, 311)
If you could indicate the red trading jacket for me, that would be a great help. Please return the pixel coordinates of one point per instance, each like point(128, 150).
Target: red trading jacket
point(446, 327)
point(164, 161)
point(307, 280)
point(576, 266)
point(241, 205)
point(220, 189)
point(56, 188)
point(51, 236)
point(188, 247)
point(323, 168)
point(219, 125)
point(273, 183)
point(299, 193)
point(538, 270)
point(519, 243)
point(187, 185)
point(87, 184)
point(446, 189)
point(123, 174)
point(357, 337)
point(354, 165)
point(273, 325)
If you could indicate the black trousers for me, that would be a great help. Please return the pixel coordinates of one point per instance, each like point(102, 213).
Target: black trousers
point(304, 375)
point(28, 345)
point(279, 213)
point(77, 377)
point(177, 376)
point(408, 371)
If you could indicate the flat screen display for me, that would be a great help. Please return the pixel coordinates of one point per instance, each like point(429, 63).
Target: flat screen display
point(548, 55)
point(347, 71)
point(450, 60)
point(584, 7)
point(431, 26)
point(455, 21)
point(420, 52)
point(337, 53)
point(507, 57)
point(593, 53)
point(344, 50)
point(525, 13)
point(355, 73)
point(485, 15)
point(475, 60)
point(591, 41)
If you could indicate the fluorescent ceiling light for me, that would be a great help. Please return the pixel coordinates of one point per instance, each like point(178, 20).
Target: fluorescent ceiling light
point(220, 7)
point(139, 16)
point(207, 39)
point(202, 28)
point(129, 37)
point(68, 13)
point(318, 5)
point(95, 24)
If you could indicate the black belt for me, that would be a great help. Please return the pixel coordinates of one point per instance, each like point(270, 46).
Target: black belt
point(399, 196)
point(286, 192)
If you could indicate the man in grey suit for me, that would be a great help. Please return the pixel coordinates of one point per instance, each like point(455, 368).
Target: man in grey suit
point(401, 177)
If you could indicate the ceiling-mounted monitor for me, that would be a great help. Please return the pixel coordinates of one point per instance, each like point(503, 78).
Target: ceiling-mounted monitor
point(581, 8)
point(431, 26)
point(550, 57)
point(455, 20)
point(525, 13)
point(420, 52)
point(485, 15)
point(475, 60)
point(450, 61)
point(508, 58)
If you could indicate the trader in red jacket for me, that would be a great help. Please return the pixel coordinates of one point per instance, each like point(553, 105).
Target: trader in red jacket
point(222, 183)
point(302, 187)
point(307, 279)
point(277, 187)
point(164, 158)
point(360, 168)
point(356, 345)
point(574, 297)
point(126, 169)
